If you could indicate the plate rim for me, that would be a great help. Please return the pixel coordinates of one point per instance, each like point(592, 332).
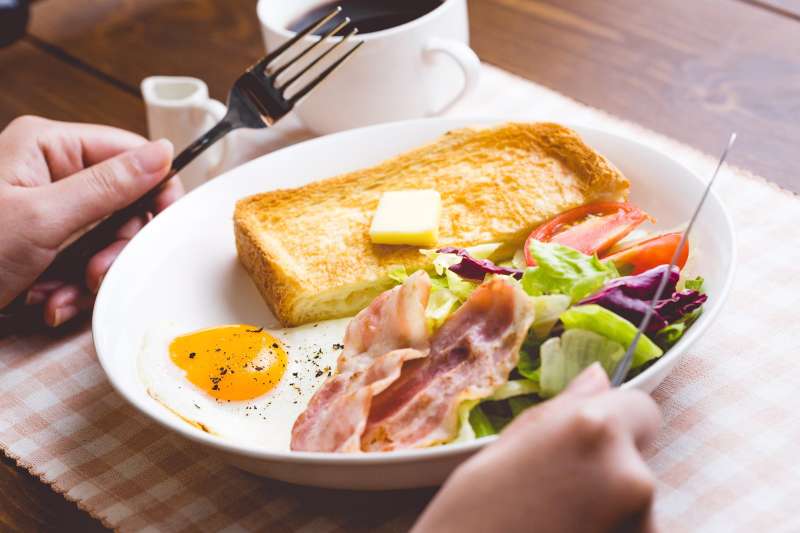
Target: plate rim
point(409, 455)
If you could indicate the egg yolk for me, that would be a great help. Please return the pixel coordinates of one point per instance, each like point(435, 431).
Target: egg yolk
point(238, 362)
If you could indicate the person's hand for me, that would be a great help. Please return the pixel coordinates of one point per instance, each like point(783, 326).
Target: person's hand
point(571, 464)
point(56, 178)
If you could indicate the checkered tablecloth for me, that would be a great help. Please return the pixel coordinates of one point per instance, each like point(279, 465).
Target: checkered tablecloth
point(725, 460)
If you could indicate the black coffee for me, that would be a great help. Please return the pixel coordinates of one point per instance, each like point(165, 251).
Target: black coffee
point(368, 15)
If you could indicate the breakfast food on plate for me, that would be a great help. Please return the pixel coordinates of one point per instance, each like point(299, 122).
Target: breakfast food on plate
point(458, 354)
point(309, 251)
point(541, 268)
point(407, 217)
point(406, 392)
point(239, 382)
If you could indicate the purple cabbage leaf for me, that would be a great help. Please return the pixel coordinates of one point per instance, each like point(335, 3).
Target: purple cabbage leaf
point(475, 269)
point(630, 296)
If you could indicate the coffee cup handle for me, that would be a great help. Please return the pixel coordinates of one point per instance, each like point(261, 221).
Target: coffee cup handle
point(465, 58)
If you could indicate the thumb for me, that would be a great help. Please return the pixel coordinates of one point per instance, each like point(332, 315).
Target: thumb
point(593, 380)
point(98, 191)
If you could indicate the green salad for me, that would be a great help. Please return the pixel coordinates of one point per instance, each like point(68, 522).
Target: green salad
point(586, 311)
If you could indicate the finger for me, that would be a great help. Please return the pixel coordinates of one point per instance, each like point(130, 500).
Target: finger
point(69, 147)
point(98, 266)
point(73, 203)
point(168, 195)
point(66, 303)
point(132, 227)
point(593, 380)
point(41, 291)
point(641, 521)
point(648, 523)
point(34, 148)
point(98, 142)
point(631, 488)
point(633, 411)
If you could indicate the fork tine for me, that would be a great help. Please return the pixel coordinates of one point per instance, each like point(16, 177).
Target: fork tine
point(313, 45)
point(322, 56)
point(262, 64)
point(325, 73)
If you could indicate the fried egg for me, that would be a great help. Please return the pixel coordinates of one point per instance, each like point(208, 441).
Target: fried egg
point(240, 382)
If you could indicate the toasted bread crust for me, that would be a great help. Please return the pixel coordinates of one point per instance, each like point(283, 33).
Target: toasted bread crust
point(308, 249)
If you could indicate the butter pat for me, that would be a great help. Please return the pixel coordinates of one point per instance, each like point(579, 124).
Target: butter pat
point(407, 217)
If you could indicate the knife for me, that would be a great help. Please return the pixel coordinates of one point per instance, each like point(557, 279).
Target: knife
point(624, 366)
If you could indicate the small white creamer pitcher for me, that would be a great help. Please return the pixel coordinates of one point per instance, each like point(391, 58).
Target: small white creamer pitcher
point(179, 109)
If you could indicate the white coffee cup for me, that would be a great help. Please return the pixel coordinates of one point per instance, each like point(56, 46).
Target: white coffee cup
point(179, 109)
point(417, 69)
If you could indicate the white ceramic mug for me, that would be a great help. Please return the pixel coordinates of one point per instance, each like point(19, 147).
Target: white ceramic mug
point(179, 109)
point(414, 70)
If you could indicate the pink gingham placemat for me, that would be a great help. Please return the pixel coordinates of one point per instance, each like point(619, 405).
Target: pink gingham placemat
point(725, 460)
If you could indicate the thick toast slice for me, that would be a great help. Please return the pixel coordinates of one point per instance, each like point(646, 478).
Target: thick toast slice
point(308, 249)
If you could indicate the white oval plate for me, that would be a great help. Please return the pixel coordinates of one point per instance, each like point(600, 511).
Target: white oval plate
point(182, 267)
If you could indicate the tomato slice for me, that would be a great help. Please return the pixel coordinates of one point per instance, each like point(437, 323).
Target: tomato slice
point(650, 253)
point(591, 228)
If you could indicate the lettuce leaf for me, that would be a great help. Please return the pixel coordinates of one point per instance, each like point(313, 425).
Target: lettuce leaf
point(668, 336)
point(398, 274)
point(594, 318)
point(520, 403)
point(459, 286)
point(566, 357)
point(695, 284)
point(473, 420)
point(480, 423)
point(483, 251)
point(441, 261)
point(514, 387)
point(562, 270)
point(528, 364)
point(441, 304)
point(547, 310)
point(448, 290)
point(465, 431)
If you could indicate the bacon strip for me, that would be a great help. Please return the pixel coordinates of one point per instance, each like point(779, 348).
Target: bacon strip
point(378, 341)
point(471, 355)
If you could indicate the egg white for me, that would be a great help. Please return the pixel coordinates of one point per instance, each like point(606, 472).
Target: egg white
point(266, 421)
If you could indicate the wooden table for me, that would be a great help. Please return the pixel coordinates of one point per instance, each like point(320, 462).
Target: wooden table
point(693, 69)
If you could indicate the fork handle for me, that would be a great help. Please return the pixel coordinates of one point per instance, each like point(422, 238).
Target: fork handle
point(70, 262)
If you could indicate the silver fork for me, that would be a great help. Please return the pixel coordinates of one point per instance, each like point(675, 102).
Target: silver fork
point(258, 99)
